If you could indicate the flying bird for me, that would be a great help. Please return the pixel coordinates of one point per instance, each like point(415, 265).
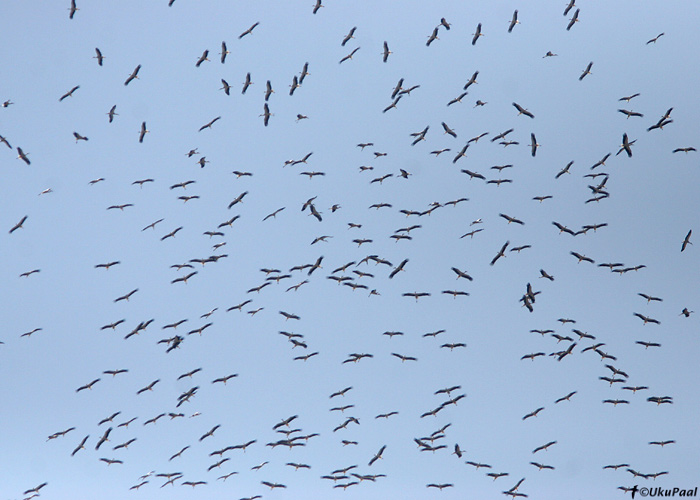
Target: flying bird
point(574, 19)
point(477, 34)
point(522, 111)
point(586, 71)
point(248, 31)
point(143, 132)
point(386, 52)
point(626, 145)
point(349, 36)
point(133, 75)
point(501, 253)
point(513, 21)
point(69, 93)
point(224, 52)
point(99, 56)
point(202, 58)
point(377, 456)
point(208, 125)
point(533, 145)
point(73, 9)
point(349, 56)
point(686, 240)
point(19, 224)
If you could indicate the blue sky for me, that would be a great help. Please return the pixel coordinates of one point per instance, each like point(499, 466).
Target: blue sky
point(651, 205)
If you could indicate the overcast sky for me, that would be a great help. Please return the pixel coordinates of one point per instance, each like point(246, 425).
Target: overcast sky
point(405, 214)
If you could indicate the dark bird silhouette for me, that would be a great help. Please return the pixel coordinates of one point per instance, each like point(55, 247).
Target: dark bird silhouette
point(477, 34)
point(626, 145)
point(349, 36)
point(433, 36)
point(533, 145)
point(81, 446)
point(544, 447)
point(248, 31)
point(686, 240)
point(19, 225)
point(208, 125)
point(87, 386)
point(133, 75)
point(653, 40)
point(103, 439)
point(349, 56)
point(202, 58)
point(522, 111)
point(69, 93)
point(513, 21)
point(501, 253)
point(647, 319)
point(73, 9)
point(573, 20)
point(127, 296)
point(448, 130)
point(21, 155)
point(377, 456)
point(143, 132)
point(224, 52)
point(398, 269)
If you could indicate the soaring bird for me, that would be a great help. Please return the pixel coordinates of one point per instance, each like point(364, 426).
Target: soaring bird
point(586, 71)
point(647, 319)
point(134, 74)
point(248, 31)
point(626, 145)
point(462, 274)
point(574, 19)
point(99, 56)
point(72, 9)
point(512, 219)
point(202, 58)
point(398, 268)
point(386, 52)
point(433, 36)
point(239, 199)
point(268, 90)
point(471, 82)
point(653, 40)
point(448, 130)
point(349, 56)
point(629, 113)
point(544, 447)
point(69, 93)
point(208, 125)
point(266, 114)
point(105, 437)
point(533, 145)
point(501, 253)
point(513, 21)
point(477, 34)
point(81, 446)
point(378, 455)
point(686, 240)
point(522, 111)
point(112, 113)
point(224, 52)
point(247, 83)
point(143, 132)
point(19, 224)
point(349, 36)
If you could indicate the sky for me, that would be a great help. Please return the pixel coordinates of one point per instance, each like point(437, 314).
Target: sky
point(113, 198)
